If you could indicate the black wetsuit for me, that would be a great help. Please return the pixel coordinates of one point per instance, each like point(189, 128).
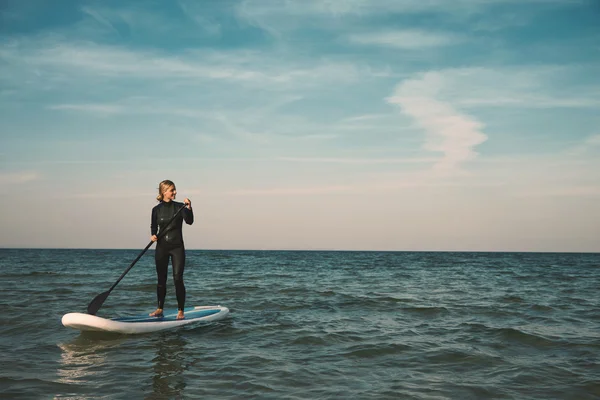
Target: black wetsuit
point(170, 245)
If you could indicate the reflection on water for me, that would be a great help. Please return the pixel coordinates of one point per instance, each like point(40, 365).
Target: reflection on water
point(80, 358)
point(169, 366)
point(86, 360)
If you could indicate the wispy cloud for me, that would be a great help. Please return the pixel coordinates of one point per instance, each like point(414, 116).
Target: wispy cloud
point(13, 178)
point(105, 195)
point(333, 160)
point(89, 108)
point(118, 62)
point(531, 86)
point(590, 143)
point(98, 17)
point(132, 106)
point(262, 10)
point(577, 191)
point(378, 184)
point(67, 162)
point(304, 191)
point(130, 20)
point(196, 12)
point(365, 117)
point(406, 39)
point(593, 140)
point(87, 60)
point(278, 16)
point(316, 137)
point(449, 131)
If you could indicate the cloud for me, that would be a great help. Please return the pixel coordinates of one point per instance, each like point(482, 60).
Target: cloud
point(365, 117)
point(589, 144)
point(132, 21)
point(333, 160)
point(317, 137)
point(262, 9)
point(113, 61)
point(132, 106)
point(531, 86)
point(376, 183)
point(304, 191)
point(97, 16)
point(524, 86)
point(91, 108)
point(449, 131)
point(576, 191)
point(105, 195)
point(196, 12)
point(241, 132)
point(593, 140)
point(278, 18)
point(287, 14)
point(406, 39)
point(12, 178)
point(88, 62)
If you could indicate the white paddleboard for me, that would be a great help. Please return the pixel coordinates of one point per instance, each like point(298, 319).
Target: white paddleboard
point(143, 323)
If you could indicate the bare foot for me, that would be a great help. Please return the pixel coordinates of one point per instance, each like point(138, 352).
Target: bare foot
point(180, 314)
point(158, 313)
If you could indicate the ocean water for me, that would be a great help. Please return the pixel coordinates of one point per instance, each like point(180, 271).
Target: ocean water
point(308, 325)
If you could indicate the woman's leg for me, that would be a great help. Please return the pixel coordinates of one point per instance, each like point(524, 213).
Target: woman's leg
point(161, 258)
point(178, 259)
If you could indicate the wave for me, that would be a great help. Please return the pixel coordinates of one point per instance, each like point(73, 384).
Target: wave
point(521, 337)
point(427, 311)
point(32, 273)
point(513, 336)
point(512, 299)
point(376, 350)
point(471, 357)
point(310, 340)
point(541, 307)
point(32, 387)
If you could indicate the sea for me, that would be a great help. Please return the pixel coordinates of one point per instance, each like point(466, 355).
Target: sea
point(308, 325)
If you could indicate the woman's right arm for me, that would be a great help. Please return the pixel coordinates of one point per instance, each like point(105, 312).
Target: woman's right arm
point(153, 225)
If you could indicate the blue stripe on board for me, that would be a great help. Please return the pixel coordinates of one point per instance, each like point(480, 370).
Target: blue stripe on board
point(170, 315)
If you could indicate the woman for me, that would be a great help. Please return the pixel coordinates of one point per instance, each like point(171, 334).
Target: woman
point(170, 245)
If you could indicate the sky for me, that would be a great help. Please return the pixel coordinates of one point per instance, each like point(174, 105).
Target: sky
point(400, 125)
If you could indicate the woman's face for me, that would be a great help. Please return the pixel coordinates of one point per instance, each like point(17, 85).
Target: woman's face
point(169, 194)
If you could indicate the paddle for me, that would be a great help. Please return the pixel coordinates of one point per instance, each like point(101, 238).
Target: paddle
point(95, 304)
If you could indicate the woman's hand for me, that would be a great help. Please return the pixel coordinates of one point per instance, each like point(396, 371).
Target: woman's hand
point(153, 238)
point(188, 203)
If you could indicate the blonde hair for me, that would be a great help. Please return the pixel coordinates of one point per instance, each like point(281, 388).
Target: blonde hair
point(163, 187)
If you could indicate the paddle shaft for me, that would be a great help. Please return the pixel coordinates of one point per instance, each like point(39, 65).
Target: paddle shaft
point(97, 302)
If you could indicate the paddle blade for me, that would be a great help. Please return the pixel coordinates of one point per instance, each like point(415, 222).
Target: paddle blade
point(95, 304)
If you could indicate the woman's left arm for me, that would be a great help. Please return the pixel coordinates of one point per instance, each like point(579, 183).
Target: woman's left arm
point(188, 213)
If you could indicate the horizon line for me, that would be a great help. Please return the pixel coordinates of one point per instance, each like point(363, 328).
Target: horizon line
point(317, 250)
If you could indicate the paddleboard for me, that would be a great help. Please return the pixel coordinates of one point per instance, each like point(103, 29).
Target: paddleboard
point(143, 323)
